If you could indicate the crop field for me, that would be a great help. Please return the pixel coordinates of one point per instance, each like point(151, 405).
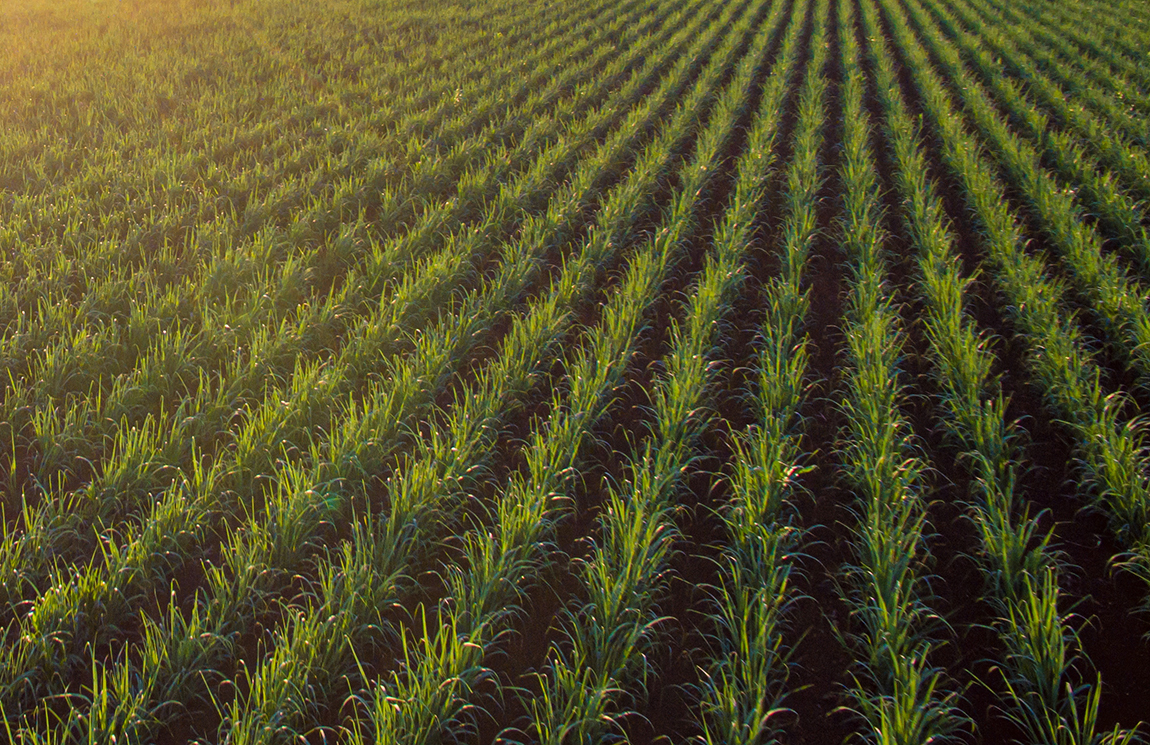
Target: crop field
point(534, 371)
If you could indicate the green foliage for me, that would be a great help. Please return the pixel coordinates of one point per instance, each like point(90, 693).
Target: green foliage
point(322, 326)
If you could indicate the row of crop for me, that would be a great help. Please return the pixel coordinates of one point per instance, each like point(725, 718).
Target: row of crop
point(233, 587)
point(1108, 448)
point(896, 687)
point(78, 362)
point(1086, 45)
point(538, 177)
point(220, 142)
point(1021, 569)
point(1128, 22)
point(1116, 300)
point(154, 449)
point(744, 682)
point(325, 246)
point(141, 458)
point(1116, 98)
point(1117, 210)
point(597, 670)
point(180, 352)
